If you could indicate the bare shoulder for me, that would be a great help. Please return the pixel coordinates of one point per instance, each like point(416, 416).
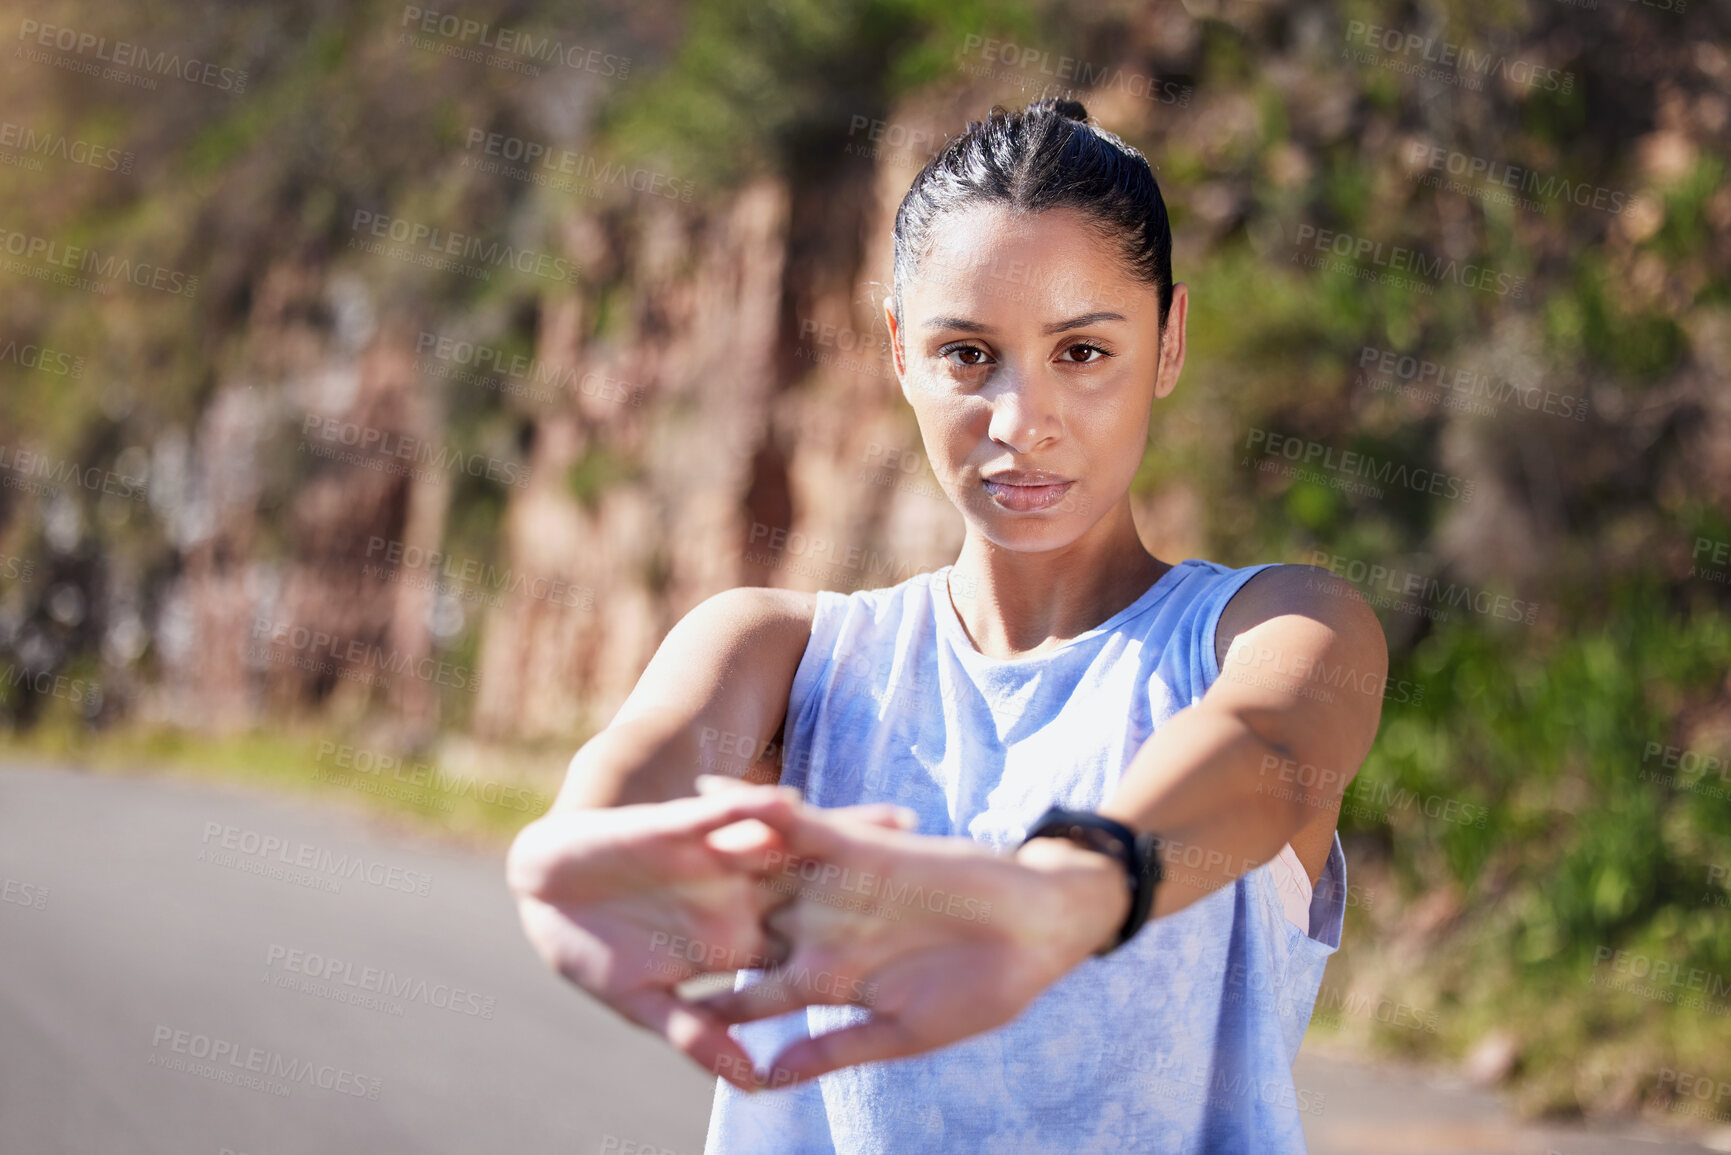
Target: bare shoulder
point(1305, 591)
point(1304, 662)
point(752, 617)
point(733, 654)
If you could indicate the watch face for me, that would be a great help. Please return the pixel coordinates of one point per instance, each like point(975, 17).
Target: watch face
point(1089, 831)
point(1096, 839)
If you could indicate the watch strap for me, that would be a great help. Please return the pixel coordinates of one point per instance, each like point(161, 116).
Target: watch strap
point(1138, 853)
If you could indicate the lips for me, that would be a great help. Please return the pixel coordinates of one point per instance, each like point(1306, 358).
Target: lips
point(1026, 490)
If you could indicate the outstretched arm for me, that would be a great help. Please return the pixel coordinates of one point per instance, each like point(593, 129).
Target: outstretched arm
point(1212, 783)
point(710, 701)
point(627, 871)
point(1273, 745)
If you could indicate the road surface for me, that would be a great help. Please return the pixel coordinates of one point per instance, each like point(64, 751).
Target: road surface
point(199, 969)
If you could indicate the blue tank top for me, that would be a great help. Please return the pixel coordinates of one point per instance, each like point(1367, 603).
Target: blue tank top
point(1182, 1040)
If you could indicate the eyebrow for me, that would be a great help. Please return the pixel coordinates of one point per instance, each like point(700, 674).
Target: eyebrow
point(968, 326)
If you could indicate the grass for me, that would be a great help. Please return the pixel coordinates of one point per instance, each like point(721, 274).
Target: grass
point(463, 792)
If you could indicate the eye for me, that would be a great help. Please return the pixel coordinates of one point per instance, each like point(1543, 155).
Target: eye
point(1086, 348)
point(963, 350)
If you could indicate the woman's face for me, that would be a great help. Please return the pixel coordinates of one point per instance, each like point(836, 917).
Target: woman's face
point(1031, 359)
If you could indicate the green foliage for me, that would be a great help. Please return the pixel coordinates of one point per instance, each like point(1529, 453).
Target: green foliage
point(1584, 842)
point(757, 87)
point(1541, 730)
point(1685, 232)
point(1594, 320)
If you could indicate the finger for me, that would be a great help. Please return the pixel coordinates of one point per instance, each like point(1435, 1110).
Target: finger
point(753, 845)
point(771, 805)
point(750, 847)
point(872, 1041)
point(777, 994)
point(630, 846)
point(717, 783)
point(875, 813)
point(879, 814)
point(813, 832)
point(747, 837)
point(693, 1032)
point(822, 851)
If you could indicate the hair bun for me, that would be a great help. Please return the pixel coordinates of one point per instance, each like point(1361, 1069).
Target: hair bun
point(998, 116)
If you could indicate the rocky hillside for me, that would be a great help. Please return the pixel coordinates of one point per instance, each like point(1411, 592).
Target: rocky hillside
point(365, 366)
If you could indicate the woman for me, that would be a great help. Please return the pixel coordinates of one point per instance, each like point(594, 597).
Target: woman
point(967, 987)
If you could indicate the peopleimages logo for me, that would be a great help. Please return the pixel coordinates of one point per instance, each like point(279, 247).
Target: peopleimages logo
point(887, 138)
point(827, 878)
point(24, 894)
point(1467, 64)
point(48, 257)
point(259, 848)
point(486, 361)
point(29, 463)
point(1385, 370)
point(123, 55)
point(1351, 463)
point(513, 47)
point(543, 160)
point(386, 451)
point(1659, 979)
point(416, 773)
point(235, 1059)
point(356, 655)
point(1688, 763)
point(773, 546)
point(322, 970)
point(1093, 78)
point(1423, 588)
point(34, 145)
point(1332, 1003)
point(42, 359)
point(443, 243)
point(1439, 159)
point(422, 568)
point(1355, 250)
point(77, 691)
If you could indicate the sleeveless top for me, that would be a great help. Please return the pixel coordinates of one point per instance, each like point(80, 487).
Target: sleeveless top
point(1183, 1039)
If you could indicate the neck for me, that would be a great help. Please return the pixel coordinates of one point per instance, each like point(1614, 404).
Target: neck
point(1016, 604)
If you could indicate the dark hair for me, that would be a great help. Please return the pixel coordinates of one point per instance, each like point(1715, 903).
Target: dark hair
point(1044, 157)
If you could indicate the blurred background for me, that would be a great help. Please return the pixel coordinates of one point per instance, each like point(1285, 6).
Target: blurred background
point(379, 383)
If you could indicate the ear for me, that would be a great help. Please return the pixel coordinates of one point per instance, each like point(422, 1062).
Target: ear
point(897, 354)
point(1172, 342)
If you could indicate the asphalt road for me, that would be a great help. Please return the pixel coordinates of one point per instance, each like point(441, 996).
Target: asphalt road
point(1382, 1109)
point(199, 970)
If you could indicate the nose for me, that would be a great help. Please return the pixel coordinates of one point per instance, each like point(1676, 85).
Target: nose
point(1024, 412)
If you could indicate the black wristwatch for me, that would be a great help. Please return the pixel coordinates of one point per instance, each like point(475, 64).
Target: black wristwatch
point(1139, 854)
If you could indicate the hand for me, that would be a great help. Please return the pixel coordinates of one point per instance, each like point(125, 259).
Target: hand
point(615, 900)
point(982, 935)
